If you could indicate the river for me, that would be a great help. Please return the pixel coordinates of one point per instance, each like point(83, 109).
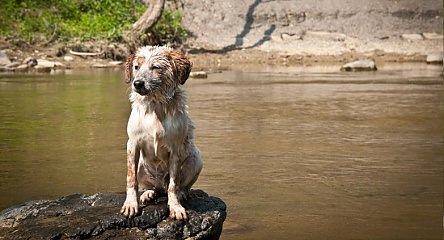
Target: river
point(295, 152)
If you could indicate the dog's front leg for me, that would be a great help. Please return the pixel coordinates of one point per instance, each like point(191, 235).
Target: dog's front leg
point(177, 211)
point(131, 206)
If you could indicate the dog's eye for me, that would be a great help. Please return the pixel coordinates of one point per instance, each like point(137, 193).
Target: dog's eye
point(136, 67)
point(155, 67)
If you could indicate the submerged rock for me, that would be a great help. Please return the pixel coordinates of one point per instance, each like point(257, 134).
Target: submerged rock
point(360, 65)
point(97, 216)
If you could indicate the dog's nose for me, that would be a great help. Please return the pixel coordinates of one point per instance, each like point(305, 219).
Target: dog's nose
point(138, 84)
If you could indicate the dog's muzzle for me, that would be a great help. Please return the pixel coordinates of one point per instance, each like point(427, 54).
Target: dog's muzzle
point(139, 87)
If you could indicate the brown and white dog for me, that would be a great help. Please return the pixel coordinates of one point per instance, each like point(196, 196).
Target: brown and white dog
point(161, 154)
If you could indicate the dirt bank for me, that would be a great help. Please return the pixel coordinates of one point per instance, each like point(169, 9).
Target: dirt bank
point(328, 27)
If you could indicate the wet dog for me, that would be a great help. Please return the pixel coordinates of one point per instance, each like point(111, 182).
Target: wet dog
point(161, 154)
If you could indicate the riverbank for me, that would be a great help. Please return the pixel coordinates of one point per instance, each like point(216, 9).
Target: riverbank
point(62, 56)
point(242, 32)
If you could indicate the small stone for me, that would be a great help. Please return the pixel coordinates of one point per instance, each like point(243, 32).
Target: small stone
point(435, 58)
point(68, 58)
point(360, 65)
point(432, 36)
point(290, 37)
point(199, 74)
point(412, 36)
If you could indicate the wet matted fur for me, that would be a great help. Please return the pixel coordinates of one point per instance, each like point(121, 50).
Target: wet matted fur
point(161, 154)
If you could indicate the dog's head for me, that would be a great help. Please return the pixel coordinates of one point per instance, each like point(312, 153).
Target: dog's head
point(154, 69)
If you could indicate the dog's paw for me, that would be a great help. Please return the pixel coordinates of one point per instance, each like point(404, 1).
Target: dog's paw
point(178, 212)
point(147, 196)
point(129, 208)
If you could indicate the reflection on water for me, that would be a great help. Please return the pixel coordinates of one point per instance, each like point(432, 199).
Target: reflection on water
point(295, 153)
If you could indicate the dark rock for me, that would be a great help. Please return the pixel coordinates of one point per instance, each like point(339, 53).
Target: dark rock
point(30, 61)
point(61, 51)
point(360, 65)
point(97, 216)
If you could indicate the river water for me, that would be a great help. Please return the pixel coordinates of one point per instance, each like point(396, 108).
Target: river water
point(296, 153)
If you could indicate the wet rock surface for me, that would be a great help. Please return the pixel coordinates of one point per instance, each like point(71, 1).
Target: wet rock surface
point(97, 216)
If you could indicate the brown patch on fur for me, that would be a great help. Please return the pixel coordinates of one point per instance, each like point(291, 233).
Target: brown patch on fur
point(131, 170)
point(129, 68)
point(182, 65)
point(140, 61)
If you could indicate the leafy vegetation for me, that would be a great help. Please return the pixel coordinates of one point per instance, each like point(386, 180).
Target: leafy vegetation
point(64, 20)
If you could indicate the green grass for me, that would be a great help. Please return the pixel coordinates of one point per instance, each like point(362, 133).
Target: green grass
point(37, 21)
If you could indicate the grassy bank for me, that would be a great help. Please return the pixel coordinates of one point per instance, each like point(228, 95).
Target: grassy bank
point(40, 22)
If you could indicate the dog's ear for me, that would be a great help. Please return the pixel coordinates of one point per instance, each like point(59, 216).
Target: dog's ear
point(183, 66)
point(129, 68)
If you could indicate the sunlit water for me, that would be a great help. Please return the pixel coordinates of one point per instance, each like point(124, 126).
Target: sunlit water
point(296, 153)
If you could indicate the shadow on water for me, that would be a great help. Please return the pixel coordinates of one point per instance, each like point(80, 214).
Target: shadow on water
point(296, 153)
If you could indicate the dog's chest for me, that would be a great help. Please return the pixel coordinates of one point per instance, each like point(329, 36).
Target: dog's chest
point(150, 132)
point(144, 127)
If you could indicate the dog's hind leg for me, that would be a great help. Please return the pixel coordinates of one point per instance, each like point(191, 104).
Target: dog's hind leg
point(144, 184)
point(192, 166)
point(190, 170)
point(181, 181)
